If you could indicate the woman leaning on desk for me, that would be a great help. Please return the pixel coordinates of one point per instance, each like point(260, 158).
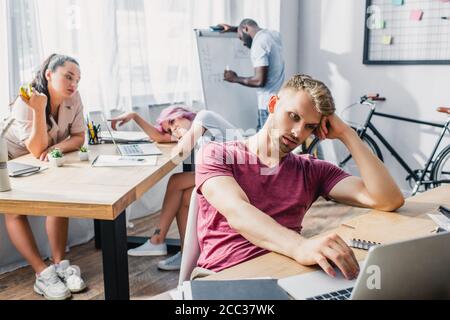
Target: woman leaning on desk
point(51, 118)
point(177, 123)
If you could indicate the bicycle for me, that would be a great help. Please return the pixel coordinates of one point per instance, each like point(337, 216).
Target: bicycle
point(436, 170)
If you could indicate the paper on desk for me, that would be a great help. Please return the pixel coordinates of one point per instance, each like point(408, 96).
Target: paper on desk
point(441, 220)
point(125, 135)
point(121, 161)
point(387, 227)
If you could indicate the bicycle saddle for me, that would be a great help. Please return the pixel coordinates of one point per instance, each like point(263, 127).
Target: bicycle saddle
point(443, 110)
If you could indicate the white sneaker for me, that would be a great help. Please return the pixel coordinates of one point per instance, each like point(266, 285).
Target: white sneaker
point(50, 286)
point(71, 276)
point(172, 263)
point(149, 249)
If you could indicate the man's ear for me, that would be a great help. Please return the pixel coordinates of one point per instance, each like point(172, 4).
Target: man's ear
point(47, 74)
point(272, 103)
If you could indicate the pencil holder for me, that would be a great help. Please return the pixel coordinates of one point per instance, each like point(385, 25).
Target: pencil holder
point(93, 133)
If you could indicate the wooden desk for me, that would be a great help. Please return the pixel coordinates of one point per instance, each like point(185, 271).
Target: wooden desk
point(279, 266)
point(78, 190)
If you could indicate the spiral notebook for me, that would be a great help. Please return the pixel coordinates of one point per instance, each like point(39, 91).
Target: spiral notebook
point(386, 227)
point(362, 244)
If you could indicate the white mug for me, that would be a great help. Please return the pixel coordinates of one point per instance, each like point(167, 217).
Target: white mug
point(5, 184)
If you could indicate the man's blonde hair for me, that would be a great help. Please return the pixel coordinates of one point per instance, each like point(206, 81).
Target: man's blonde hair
point(319, 92)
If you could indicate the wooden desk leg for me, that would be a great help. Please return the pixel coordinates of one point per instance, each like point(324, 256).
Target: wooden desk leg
point(115, 259)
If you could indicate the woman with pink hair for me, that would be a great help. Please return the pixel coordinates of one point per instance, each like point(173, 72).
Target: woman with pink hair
point(177, 123)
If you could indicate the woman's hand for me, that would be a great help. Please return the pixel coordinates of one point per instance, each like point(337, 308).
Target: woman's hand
point(122, 119)
point(37, 101)
point(44, 155)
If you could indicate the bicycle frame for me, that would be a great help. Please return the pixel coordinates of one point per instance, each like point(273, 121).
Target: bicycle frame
point(419, 179)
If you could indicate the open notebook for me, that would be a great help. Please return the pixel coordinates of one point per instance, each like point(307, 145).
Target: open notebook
point(385, 227)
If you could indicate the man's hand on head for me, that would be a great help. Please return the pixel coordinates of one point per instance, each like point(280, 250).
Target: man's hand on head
point(227, 28)
point(332, 127)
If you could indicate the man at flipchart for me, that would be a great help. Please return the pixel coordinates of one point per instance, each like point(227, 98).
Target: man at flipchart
point(267, 60)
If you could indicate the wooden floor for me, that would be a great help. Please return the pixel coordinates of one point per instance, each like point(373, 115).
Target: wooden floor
point(146, 280)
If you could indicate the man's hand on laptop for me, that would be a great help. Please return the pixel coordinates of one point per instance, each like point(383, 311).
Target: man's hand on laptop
point(122, 119)
point(328, 250)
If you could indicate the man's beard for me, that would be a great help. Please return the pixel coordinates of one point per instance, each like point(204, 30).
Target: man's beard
point(248, 40)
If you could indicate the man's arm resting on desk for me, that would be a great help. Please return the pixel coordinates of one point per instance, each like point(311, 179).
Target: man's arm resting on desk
point(258, 80)
point(264, 232)
point(376, 188)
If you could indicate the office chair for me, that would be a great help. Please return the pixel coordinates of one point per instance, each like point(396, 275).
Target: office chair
point(191, 250)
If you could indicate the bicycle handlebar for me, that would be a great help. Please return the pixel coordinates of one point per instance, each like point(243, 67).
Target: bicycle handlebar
point(372, 97)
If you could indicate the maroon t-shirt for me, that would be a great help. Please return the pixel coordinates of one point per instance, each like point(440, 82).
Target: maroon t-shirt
point(284, 192)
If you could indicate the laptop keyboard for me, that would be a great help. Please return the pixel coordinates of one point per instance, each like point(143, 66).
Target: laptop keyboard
point(343, 294)
point(132, 149)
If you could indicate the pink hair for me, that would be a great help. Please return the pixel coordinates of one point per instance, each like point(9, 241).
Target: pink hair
point(172, 113)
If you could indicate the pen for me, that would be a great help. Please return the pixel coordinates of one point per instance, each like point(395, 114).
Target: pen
point(93, 162)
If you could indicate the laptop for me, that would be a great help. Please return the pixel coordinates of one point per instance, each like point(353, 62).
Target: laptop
point(413, 269)
point(129, 150)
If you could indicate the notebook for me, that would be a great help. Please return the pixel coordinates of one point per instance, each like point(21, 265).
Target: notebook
point(386, 227)
point(249, 289)
point(362, 244)
point(16, 169)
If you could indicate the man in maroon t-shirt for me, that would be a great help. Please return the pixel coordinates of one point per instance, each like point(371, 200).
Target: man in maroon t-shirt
point(253, 194)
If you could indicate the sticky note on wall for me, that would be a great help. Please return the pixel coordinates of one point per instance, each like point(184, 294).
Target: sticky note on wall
point(380, 24)
point(387, 40)
point(416, 15)
point(397, 2)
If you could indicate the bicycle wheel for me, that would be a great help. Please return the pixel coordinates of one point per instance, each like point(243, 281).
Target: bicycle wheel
point(441, 168)
point(341, 155)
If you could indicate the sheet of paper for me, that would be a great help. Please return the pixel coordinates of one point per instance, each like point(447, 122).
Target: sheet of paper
point(125, 135)
point(441, 220)
point(121, 161)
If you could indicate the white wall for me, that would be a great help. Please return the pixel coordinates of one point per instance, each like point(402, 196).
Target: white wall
point(331, 37)
point(289, 24)
point(4, 88)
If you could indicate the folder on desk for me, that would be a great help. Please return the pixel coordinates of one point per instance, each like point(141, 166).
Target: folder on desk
point(248, 289)
point(388, 227)
point(16, 169)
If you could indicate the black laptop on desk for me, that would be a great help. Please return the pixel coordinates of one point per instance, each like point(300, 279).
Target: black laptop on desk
point(16, 169)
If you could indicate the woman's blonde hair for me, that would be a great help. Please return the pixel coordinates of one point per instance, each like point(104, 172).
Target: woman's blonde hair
point(319, 92)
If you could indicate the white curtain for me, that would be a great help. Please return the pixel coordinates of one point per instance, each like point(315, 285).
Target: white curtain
point(131, 52)
point(4, 80)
